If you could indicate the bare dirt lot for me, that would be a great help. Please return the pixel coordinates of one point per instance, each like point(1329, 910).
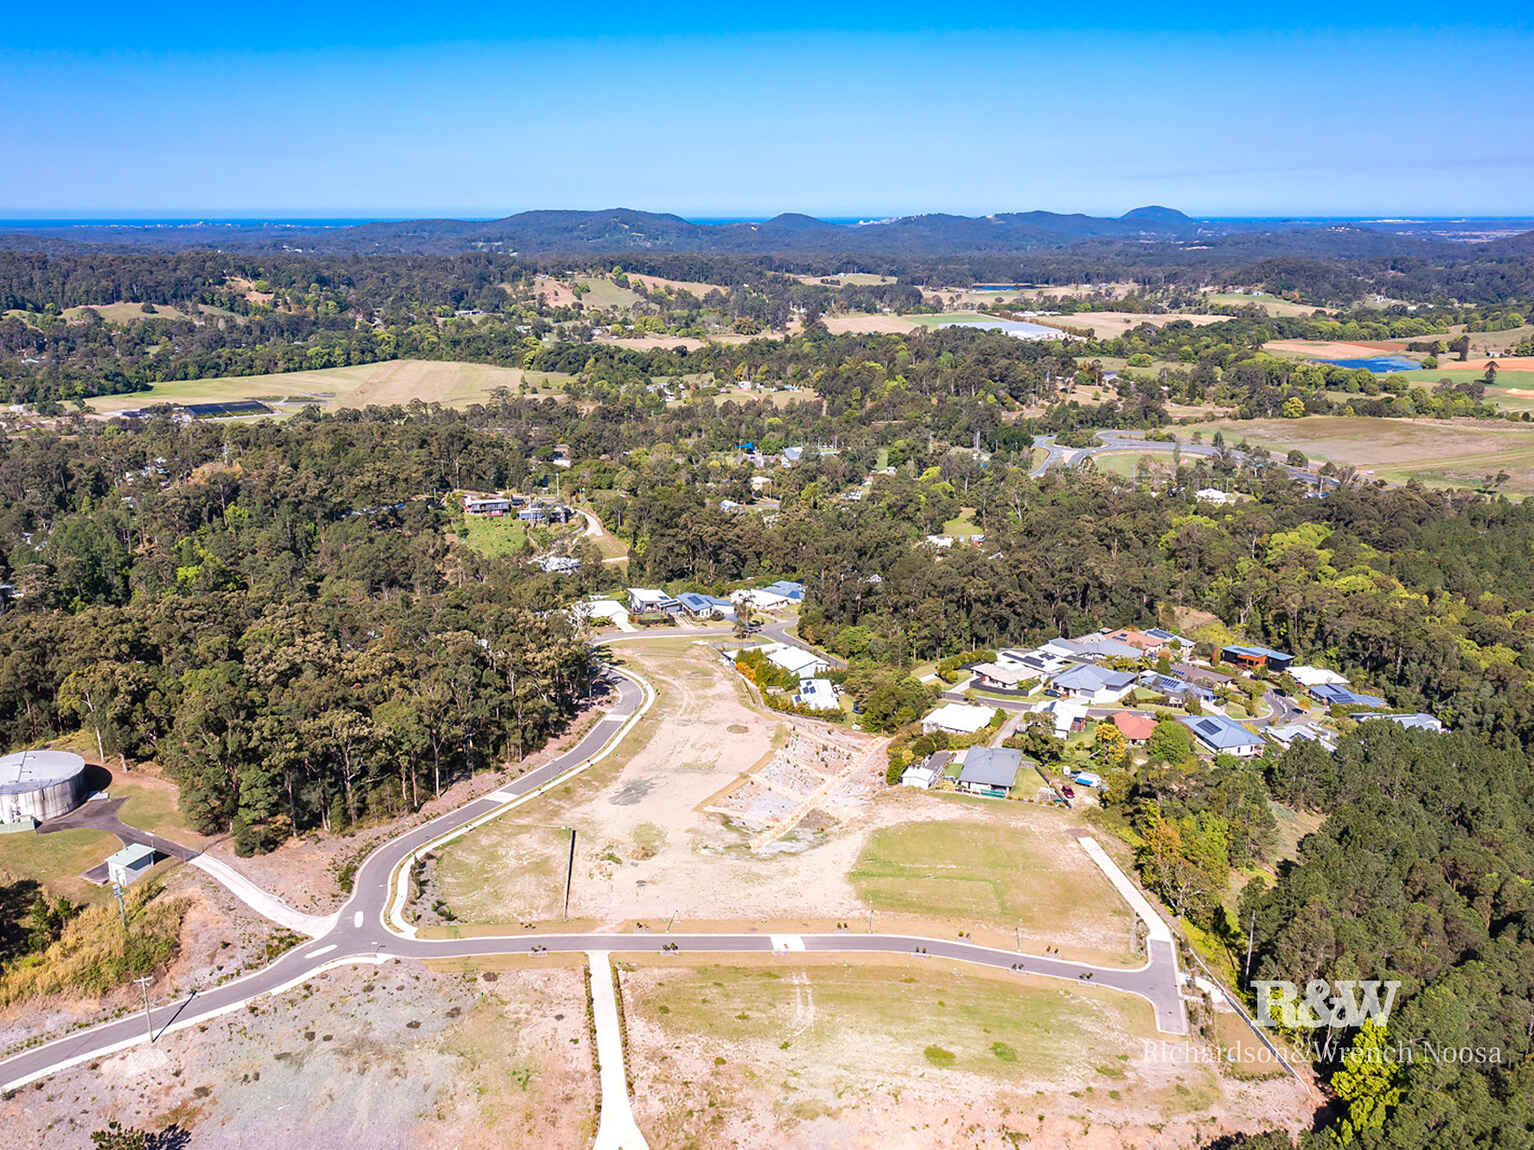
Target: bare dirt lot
point(915, 1055)
point(377, 1057)
point(652, 844)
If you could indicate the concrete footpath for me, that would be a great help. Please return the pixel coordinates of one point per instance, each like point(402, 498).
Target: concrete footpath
point(617, 1130)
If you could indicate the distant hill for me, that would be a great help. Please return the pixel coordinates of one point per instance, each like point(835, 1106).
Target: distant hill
point(614, 231)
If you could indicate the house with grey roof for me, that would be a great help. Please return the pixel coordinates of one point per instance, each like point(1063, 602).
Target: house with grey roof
point(990, 771)
point(1221, 735)
point(1092, 684)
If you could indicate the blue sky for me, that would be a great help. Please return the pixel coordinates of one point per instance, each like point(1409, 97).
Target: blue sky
point(393, 109)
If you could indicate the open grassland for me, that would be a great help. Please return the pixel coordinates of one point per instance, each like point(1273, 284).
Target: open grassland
point(908, 1054)
point(1440, 453)
point(1269, 303)
point(603, 293)
point(1005, 876)
point(692, 287)
point(388, 382)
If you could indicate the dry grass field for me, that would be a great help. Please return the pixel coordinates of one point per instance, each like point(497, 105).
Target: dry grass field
point(1440, 453)
point(387, 382)
point(901, 1055)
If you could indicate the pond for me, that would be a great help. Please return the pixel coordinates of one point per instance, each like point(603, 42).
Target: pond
point(1378, 364)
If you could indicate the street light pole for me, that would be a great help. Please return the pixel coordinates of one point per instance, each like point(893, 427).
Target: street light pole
point(569, 871)
point(144, 986)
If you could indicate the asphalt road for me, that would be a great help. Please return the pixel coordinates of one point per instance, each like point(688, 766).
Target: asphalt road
point(1113, 439)
point(361, 934)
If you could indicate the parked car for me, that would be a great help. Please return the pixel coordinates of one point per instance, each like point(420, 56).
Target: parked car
point(1068, 791)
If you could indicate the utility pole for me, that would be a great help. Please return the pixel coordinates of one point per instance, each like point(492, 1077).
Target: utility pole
point(569, 871)
point(122, 907)
point(144, 986)
point(1246, 973)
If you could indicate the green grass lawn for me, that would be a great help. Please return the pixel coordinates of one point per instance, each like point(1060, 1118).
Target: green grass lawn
point(152, 809)
point(1507, 381)
point(493, 537)
point(962, 526)
point(58, 860)
point(985, 874)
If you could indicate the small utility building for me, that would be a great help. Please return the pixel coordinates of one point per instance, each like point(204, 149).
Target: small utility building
point(130, 864)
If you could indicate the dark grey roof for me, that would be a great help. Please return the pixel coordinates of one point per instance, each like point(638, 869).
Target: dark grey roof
point(991, 766)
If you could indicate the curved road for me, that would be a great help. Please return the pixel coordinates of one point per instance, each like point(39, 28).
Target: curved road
point(362, 933)
point(1113, 439)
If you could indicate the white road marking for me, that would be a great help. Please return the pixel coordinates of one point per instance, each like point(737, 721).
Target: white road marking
point(787, 942)
point(322, 950)
point(357, 921)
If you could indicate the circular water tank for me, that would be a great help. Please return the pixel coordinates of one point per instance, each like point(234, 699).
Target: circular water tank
point(38, 785)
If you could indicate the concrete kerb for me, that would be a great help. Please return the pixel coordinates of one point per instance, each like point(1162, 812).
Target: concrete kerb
point(399, 887)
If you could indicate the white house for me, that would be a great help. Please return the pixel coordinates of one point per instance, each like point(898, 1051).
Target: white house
point(796, 660)
point(760, 598)
point(1064, 715)
point(958, 719)
point(603, 611)
point(817, 695)
point(1316, 676)
point(1213, 495)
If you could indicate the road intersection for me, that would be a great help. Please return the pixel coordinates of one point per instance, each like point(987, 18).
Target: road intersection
point(367, 929)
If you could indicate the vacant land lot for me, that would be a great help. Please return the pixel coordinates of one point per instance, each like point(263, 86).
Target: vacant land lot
point(501, 535)
point(1513, 391)
point(391, 1056)
point(389, 382)
point(1443, 453)
point(909, 1054)
point(651, 844)
point(1012, 875)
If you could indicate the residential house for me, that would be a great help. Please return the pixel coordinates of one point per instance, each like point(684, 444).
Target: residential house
point(1335, 695)
point(557, 564)
point(760, 598)
point(796, 660)
point(1065, 717)
point(1287, 734)
point(1142, 641)
point(1094, 647)
point(1252, 657)
point(1089, 683)
point(1174, 688)
point(958, 719)
point(1223, 736)
point(817, 695)
point(1214, 495)
point(990, 771)
point(1001, 676)
point(1170, 638)
point(493, 505)
point(1316, 676)
point(788, 589)
point(792, 455)
point(1135, 726)
point(649, 600)
point(1412, 722)
point(1037, 661)
point(706, 606)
